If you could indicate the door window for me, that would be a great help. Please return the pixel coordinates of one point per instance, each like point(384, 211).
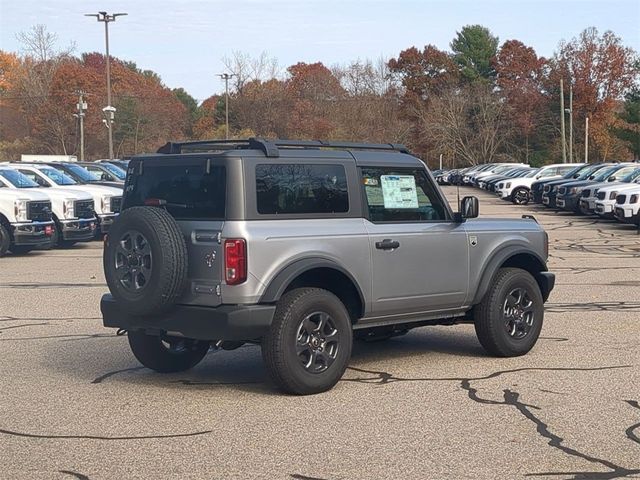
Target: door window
point(401, 195)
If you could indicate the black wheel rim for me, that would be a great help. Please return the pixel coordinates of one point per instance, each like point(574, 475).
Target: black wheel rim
point(521, 196)
point(518, 312)
point(133, 261)
point(317, 342)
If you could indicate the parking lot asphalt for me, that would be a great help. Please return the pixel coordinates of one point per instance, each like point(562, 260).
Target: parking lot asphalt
point(74, 403)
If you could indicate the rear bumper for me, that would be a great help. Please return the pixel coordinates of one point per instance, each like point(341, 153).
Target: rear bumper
point(78, 230)
point(546, 281)
point(35, 234)
point(226, 322)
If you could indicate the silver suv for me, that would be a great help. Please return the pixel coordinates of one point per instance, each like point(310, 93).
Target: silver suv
point(300, 246)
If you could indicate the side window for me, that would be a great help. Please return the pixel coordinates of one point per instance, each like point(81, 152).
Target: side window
point(549, 172)
point(35, 177)
point(401, 195)
point(301, 188)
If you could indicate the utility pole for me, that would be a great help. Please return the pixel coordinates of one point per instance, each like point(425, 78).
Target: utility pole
point(562, 134)
point(440, 161)
point(586, 140)
point(571, 122)
point(226, 77)
point(109, 111)
point(81, 106)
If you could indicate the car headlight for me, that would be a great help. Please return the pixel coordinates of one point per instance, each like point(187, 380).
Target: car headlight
point(20, 210)
point(508, 185)
point(106, 204)
point(68, 209)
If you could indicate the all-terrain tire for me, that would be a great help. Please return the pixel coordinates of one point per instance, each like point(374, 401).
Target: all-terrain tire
point(168, 260)
point(492, 324)
point(5, 240)
point(167, 354)
point(284, 365)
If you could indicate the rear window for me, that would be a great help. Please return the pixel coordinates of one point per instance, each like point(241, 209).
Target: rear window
point(301, 188)
point(189, 192)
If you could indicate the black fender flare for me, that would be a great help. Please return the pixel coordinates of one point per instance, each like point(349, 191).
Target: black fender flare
point(498, 258)
point(281, 281)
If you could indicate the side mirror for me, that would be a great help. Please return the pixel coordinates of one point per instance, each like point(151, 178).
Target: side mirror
point(469, 208)
point(611, 179)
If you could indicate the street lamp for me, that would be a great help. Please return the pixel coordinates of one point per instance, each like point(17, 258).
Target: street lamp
point(226, 77)
point(106, 18)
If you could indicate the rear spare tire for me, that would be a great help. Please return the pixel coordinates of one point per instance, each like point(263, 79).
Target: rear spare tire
point(145, 260)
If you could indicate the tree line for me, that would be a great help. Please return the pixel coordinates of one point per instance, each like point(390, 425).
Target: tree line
point(481, 101)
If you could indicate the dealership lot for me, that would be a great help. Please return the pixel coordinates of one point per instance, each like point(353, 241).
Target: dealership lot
point(75, 403)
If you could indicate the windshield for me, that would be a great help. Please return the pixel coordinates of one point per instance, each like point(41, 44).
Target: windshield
point(57, 176)
point(532, 173)
point(17, 179)
point(79, 173)
point(587, 172)
point(604, 173)
point(116, 171)
point(628, 174)
point(573, 171)
point(502, 168)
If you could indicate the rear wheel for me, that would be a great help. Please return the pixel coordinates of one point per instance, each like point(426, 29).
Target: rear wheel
point(308, 346)
point(509, 319)
point(520, 196)
point(167, 354)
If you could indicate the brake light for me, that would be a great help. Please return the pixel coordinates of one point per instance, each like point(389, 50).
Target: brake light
point(235, 261)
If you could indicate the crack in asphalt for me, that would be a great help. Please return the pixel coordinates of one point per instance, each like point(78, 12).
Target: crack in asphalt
point(70, 337)
point(99, 437)
point(23, 326)
point(77, 475)
point(6, 318)
point(115, 372)
point(297, 476)
point(630, 432)
point(592, 307)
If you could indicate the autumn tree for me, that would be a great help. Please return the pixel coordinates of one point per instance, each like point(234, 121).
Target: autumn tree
point(627, 129)
point(474, 48)
point(520, 76)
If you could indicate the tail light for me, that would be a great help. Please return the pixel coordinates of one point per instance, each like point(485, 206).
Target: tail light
point(235, 261)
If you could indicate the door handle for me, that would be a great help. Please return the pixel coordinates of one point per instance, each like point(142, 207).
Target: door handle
point(387, 244)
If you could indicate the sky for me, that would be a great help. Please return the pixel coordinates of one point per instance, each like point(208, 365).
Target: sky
point(184, 41)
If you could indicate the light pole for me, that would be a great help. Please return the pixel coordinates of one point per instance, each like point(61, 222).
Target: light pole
point(82, 107)
point(570, 112)
point(109, 111)
point(562, 131)
point(226, 77)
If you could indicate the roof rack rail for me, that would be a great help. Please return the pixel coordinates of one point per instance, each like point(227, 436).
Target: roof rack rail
point(271, 147)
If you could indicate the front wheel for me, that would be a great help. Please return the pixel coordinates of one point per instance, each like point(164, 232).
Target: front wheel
point(308, 346)
point(509, 319)
point(167, 354)
point(520, 196)
point(5, 240)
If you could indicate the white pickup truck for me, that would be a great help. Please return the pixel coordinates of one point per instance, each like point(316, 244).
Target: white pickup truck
point(73, 210)
point(107, 200)
point(25, 220)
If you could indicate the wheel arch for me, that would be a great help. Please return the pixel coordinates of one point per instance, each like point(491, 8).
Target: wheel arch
point(515, 257)
point(321, 273)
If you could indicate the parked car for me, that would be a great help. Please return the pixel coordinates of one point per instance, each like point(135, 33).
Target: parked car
point(82, 176)
point(627, 206)
point(107, 200)
point(625, 174)
point(518, 190)
point(25, 219)
point(298, 249)
point(72, 210)
point(476, 177)
point(490, 183)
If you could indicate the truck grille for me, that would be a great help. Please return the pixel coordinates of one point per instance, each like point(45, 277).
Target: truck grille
point(116, 204)
point(621, 198)
point(39, 211)
point(586, 193)
point(84, 209)
point(602, 195)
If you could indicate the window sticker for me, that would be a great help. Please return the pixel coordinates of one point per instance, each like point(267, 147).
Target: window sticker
point(399, 191)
